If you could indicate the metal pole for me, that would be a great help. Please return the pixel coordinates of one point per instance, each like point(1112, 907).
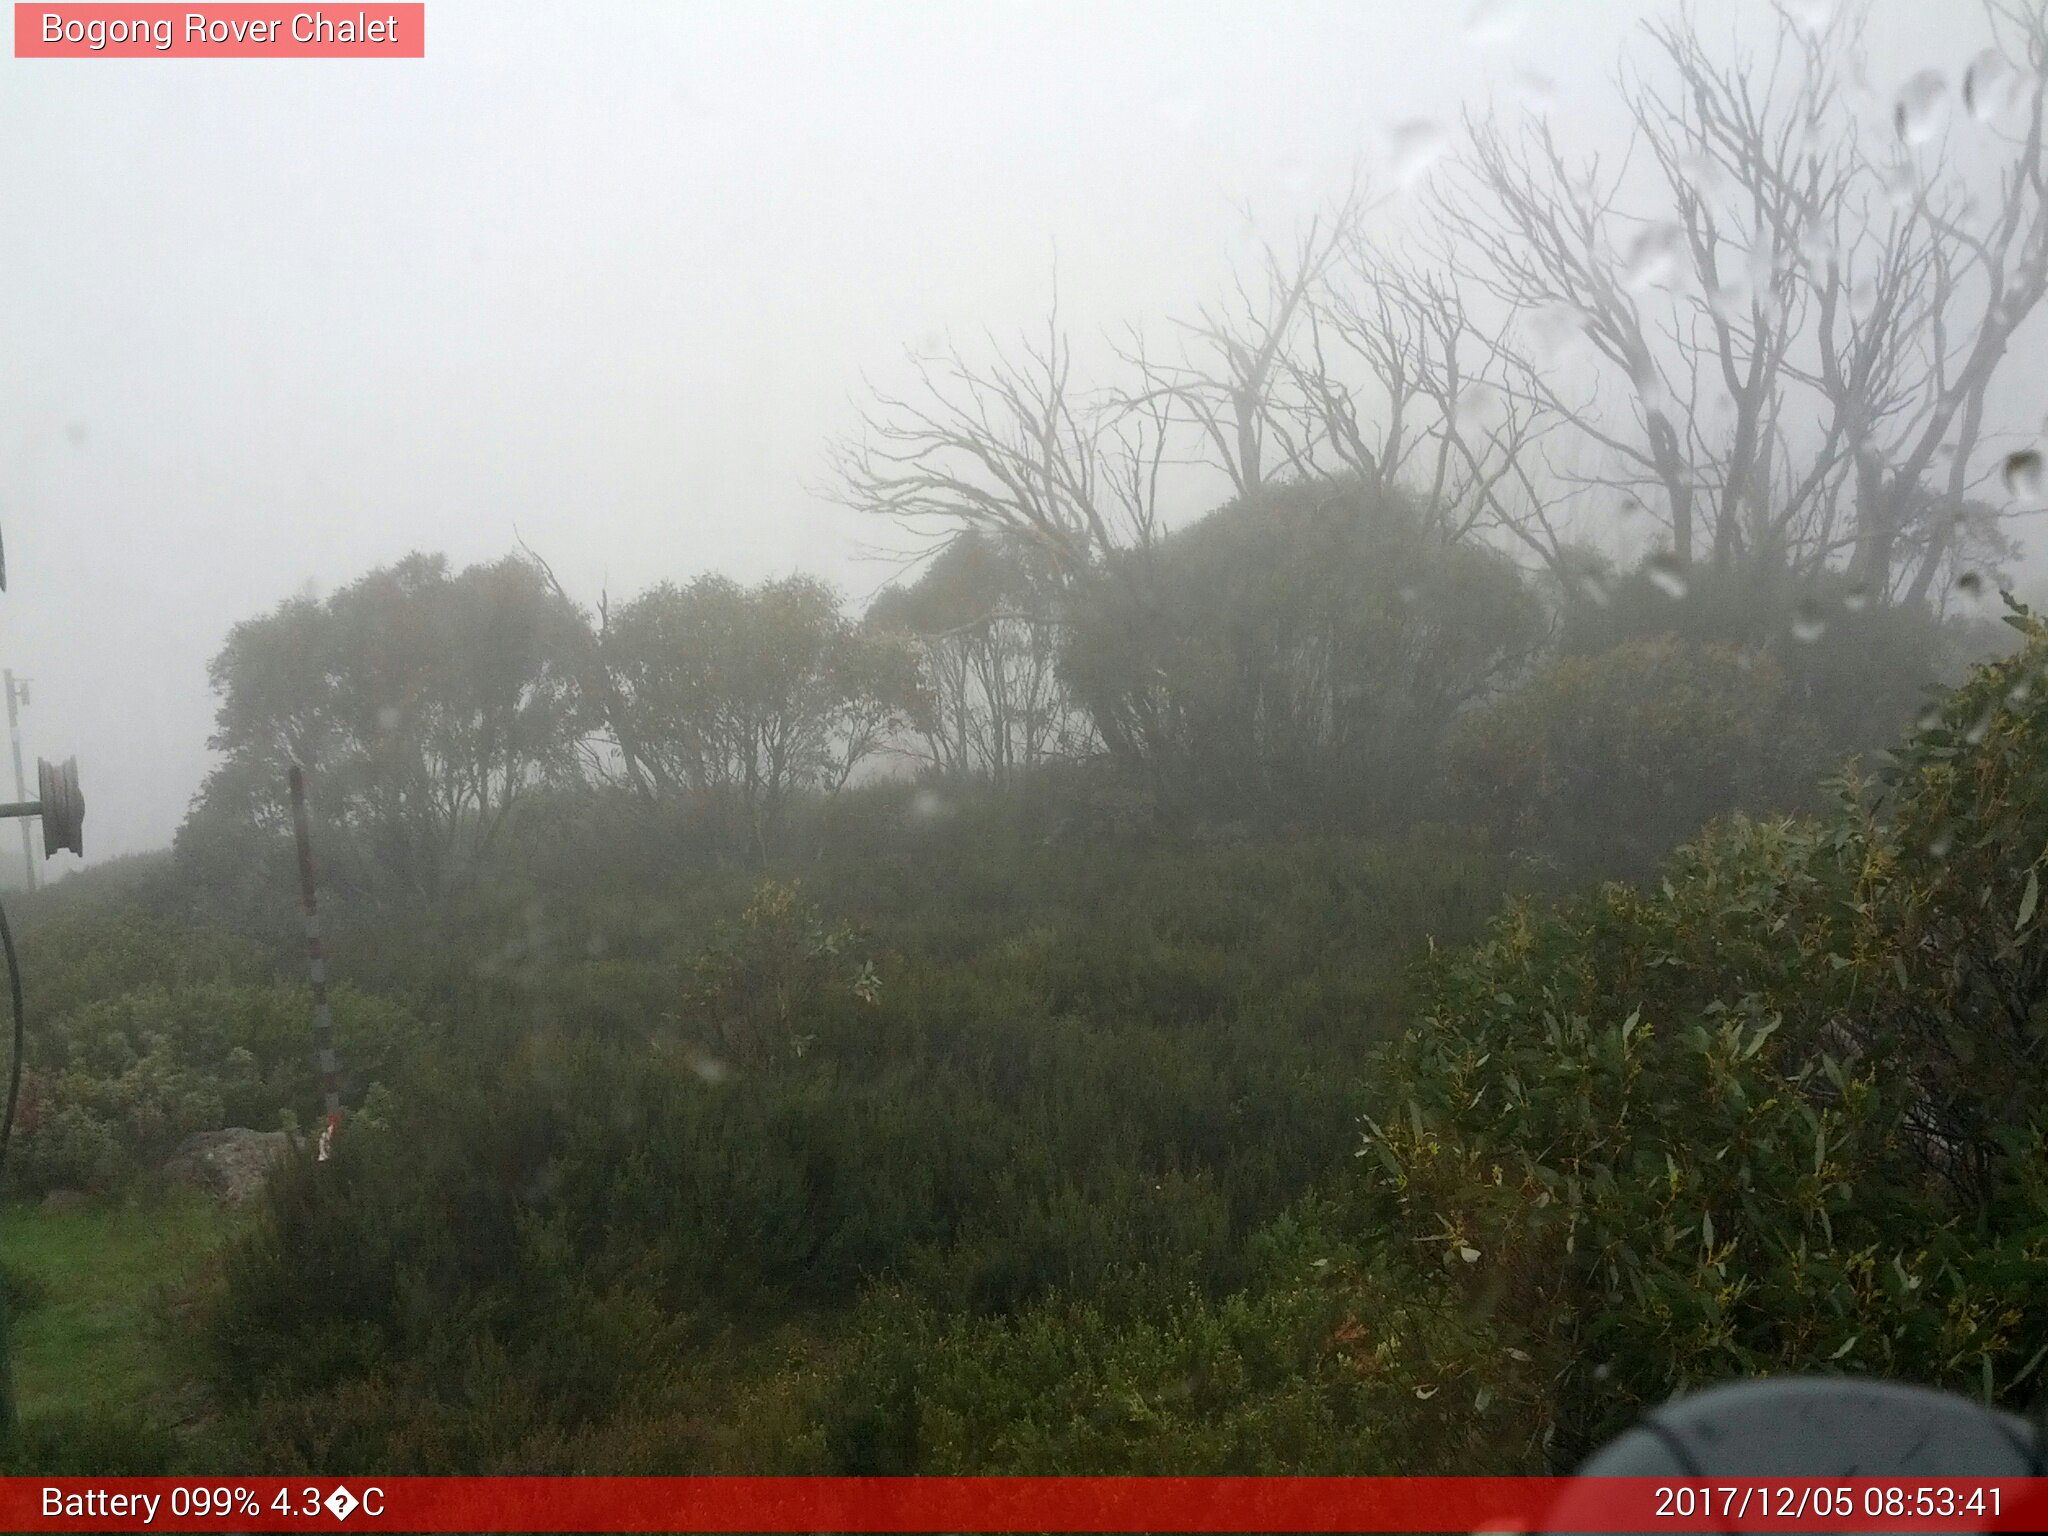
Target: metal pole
point(28, 857)
point(316, 966)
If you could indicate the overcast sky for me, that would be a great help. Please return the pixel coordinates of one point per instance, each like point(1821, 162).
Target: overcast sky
point(611, 275)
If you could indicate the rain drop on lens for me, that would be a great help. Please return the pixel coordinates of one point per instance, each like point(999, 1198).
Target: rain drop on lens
point(1481, 408)
point(1729, 301)
point(1862, 299)
point(1494, 23)
point(1651, 392)
point(2022, 473)
point(1807, 623)
point(1652, 257)
point(1970, 584)
point(1921, 107)
point(1817, 251)
point(1812, 16)
point(1707, 175)
point(1991, 86)
point(1666, 575)
point(1412, 148)
point(1558, 330)
point(1899, 184)
point(1538, 93)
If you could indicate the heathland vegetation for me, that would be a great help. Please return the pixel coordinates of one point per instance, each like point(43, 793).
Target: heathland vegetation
point(1354, 981)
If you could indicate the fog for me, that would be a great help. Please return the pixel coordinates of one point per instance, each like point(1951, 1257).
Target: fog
point(608, 278)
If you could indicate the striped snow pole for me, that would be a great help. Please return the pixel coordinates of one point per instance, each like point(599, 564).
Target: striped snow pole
point(316, 966)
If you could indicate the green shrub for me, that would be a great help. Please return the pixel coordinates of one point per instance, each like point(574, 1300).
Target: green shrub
point(1608, 761)
point(112, 1086)
point(1086, 1073)
point(1780, 1114)
point(1296, 657)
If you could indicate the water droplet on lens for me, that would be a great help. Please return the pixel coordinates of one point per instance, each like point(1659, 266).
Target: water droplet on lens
point(1729, 301)
point(1666, 575)
point(1899, 184)
point(1943, 840)
point(1970, 583)
point(1857, 598)
point(1652, 257)
point(1594, 590)
point(1807, 623)
point(1812, 16)
point(1538, 93)
point(1708, 176)
point(1494, 23)
point(1651, 391)
point(1412, 148)
point(1558, 330)
point(1862, 299)
point(1921, 106)
point(1816, 251)
point(1481, 409)
point(1991, 85)
point(2022, 473)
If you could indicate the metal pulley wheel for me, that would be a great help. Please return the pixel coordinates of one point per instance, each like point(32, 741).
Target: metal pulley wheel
point(63, 807)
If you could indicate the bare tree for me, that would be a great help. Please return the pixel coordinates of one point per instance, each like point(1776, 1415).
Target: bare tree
point(1412, 389)
point(1229, 383)
point(1015, 447)
point(1791, 352)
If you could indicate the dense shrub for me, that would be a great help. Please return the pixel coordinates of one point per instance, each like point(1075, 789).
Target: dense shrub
point(114, 1085)
point(1607, 761)
point(1780, 1114)
point(1317, 1366)
point(1295, 658)
point(1856, 670)
point(1080, 1075)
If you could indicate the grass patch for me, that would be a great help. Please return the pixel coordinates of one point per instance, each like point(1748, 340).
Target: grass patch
point(102, 1370)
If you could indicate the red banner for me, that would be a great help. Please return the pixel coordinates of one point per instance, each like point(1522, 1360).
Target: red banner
point(1051, 1504)
point(375, 31)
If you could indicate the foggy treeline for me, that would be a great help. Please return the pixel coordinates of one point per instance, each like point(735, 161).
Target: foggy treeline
point(1404, 865)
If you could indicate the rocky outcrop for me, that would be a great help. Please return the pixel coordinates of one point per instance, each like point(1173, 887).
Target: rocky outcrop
point(229, 1165)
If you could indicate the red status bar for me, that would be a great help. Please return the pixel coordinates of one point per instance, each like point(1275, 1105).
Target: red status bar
point(1050, 1504)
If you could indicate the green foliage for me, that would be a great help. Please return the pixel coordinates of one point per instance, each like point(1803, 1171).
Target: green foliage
point(116, 1084)
point(143, 1029)
point(1779, 1114)
point(1297, 657)
point(422, 705)
point(750, 696)
point(761, 976)
point(1082, 1075)
point(982, 618)
point(1607, 761)
point(1854, 669)
point(1316, 1367)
